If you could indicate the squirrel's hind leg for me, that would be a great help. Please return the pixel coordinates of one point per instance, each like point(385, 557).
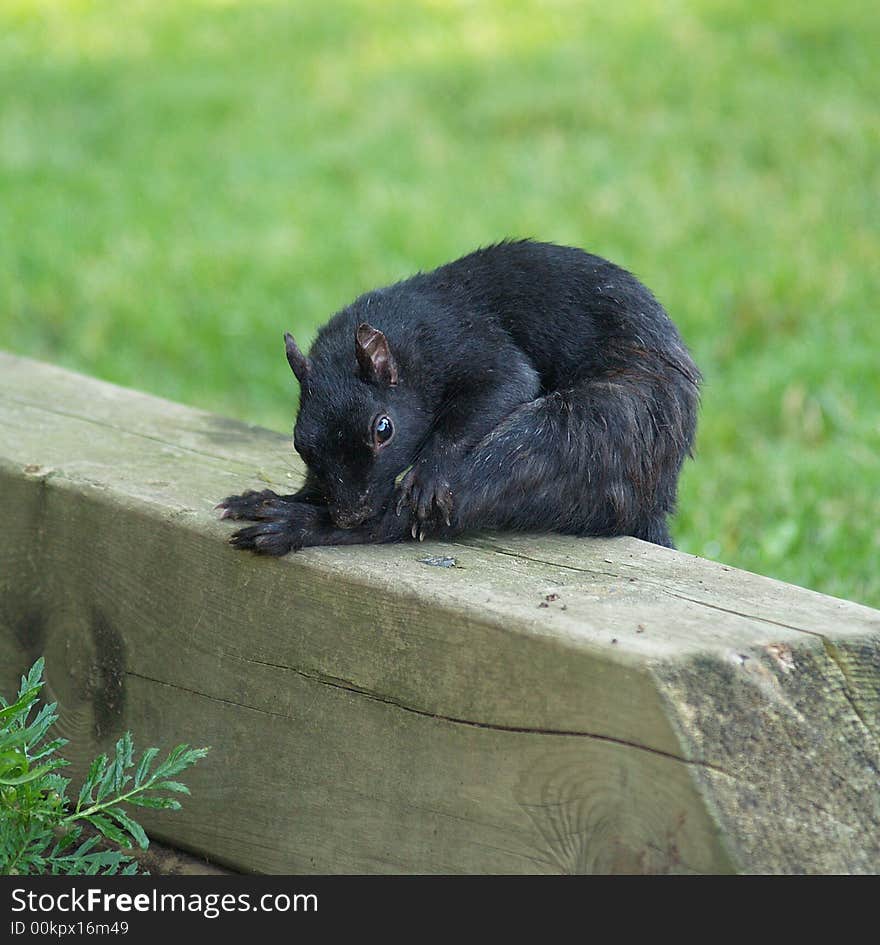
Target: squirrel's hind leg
point(656, 531)
point(602, 458)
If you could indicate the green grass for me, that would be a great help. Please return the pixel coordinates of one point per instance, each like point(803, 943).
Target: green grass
point(182, 181)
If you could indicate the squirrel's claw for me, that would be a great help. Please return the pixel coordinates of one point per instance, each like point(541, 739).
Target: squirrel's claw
point(429, 498)
point(443, 501)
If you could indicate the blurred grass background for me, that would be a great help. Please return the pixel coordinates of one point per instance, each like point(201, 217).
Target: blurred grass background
point(182, 180)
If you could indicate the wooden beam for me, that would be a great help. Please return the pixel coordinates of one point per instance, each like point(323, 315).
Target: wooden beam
point(546, 704)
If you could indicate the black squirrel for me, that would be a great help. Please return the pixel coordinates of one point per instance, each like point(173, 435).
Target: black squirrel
point(526, 386)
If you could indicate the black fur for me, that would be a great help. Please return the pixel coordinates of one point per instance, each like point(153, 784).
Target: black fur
point(530, 387)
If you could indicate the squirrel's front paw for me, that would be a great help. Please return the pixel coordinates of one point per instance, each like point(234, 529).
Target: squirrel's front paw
point(281, 524)
point(427, 493)
point(254, 506)
point(268, 538)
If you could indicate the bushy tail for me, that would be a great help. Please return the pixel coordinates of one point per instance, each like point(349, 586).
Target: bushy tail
point(602, 458)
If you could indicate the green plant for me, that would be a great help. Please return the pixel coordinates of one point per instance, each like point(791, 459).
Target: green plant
point(40, 830)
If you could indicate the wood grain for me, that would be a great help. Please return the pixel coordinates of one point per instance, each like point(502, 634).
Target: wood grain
point(546, 705)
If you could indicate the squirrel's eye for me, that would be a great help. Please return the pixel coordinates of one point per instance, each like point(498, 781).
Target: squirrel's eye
point(383, 430)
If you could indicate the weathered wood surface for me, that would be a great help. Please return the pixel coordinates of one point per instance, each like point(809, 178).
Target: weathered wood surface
point(546, 705)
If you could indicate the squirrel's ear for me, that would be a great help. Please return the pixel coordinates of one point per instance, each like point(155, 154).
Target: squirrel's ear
point(374, 356)
point(299, 363)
